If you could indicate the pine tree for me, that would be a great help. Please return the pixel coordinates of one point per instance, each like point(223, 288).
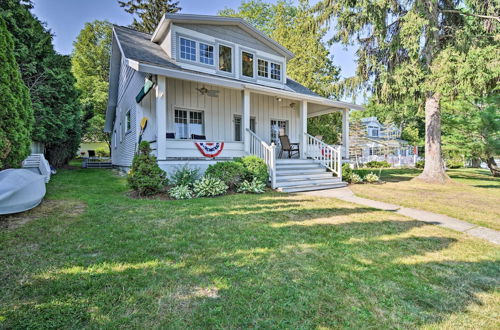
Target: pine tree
point(16, 114)
point(400, 43)
point(149, 12)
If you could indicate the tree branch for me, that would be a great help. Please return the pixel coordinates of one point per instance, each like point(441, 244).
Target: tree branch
point(469, 14)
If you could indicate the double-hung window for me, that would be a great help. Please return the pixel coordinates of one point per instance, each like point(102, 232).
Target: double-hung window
point(262, 68)
point(275, 71)
point(188, 122)
point(128, 122)
point(238, 127)
point(247, 61)
point(206, 54)
point(188, 49)
point(225, 58)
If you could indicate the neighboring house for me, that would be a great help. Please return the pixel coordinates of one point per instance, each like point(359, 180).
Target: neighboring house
point(382, 142)
point(220, 89)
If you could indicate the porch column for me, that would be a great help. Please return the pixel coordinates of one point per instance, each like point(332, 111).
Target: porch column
point(303, 129)
point(161, 118)
point(345, 132)
point(246, 120)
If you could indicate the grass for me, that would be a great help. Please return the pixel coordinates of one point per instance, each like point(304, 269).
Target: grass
point(474, 196)
point(90, 257)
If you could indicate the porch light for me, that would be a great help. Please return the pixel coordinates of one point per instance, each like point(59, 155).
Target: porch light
point(279, 99)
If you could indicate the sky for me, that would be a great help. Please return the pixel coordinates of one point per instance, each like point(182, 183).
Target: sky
point(65, 18)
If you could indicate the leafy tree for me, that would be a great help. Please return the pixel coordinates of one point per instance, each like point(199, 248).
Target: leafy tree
point(149, 12)
point(48, 77)
point(400, 44)
point(16, 114)
point(90, 66)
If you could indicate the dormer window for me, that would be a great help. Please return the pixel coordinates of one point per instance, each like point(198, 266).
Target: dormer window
point(262, 68)
point(188, 49)
point(275, 71)
point(373, 131)
point(206, 54)
point(247, 64)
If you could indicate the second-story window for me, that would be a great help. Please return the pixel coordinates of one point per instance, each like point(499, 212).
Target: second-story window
point(206, 54)
point(262, 68)
point(247, 64)
point(225, 58)
point(188, 49)
point(275, 71)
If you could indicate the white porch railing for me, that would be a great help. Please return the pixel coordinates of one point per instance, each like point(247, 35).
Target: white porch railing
point(261, 149)
point(328, 156)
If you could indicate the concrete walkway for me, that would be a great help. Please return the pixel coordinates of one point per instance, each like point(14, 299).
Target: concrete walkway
point(445, 221)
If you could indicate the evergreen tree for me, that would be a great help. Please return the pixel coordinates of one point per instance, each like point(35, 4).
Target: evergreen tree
point(149, 12)
point(400, 43)
point(48, 77)
point(90, 66)
point(16, 114)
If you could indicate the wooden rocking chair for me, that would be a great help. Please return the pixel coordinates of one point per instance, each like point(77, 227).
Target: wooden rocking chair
point(292, 148)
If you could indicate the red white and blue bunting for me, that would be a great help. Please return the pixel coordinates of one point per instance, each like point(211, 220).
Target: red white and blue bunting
point(210, 149)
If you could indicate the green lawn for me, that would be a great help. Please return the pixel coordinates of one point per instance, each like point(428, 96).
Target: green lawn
point(474, 196)
point(90, 257)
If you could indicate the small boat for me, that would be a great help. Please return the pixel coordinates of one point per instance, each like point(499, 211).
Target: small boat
point(20, 190)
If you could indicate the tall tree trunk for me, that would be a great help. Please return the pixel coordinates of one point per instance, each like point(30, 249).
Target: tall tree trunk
point(492, 165)
point(434, 170)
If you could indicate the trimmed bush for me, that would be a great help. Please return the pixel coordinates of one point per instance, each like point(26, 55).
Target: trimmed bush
point(209, 187)
point(145, 176)
point(181, 192)
point(420, 164)
point(454, 163)
point(355, 178)
point(371, 178)
point(346, 172)
point(255, 187)
point(102, 152)
point(377, 164)
point(231, 173)
point(254, 168)
point(185, 176)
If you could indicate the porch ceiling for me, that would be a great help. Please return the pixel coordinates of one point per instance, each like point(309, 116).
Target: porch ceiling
point(314, 110)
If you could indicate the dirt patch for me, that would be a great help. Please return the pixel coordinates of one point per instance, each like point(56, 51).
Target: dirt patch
point(47, 208)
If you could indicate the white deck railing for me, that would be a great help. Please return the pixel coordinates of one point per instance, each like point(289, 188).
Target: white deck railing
point(328, 156)
point(261, 149)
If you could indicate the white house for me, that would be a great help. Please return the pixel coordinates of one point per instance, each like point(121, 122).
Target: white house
point(383, 142)
point(220, 91)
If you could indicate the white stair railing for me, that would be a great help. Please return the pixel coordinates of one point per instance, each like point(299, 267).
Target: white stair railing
point(328, 156)
point(261, 149)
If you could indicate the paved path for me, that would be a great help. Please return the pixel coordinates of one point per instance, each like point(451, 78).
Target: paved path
point(346, 194)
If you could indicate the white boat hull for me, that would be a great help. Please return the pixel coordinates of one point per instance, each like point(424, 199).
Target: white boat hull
point(20, 190)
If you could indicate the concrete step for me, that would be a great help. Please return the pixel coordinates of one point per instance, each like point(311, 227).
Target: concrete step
point(312, 187)
point(319, 170)
point(314, 176)
point(307, 182)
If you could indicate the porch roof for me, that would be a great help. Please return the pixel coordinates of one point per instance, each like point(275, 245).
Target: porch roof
point(146, 56)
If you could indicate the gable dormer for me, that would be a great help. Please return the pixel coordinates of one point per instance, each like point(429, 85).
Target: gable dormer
point(224, 46)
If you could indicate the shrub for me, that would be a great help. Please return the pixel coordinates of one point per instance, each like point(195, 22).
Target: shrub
point(371, 177)
point(102, 152)
point(185, 176)
point(145, 176)
point(377, 164)
point(356, 178)
point(254, 168)
point(231, 173)
point(208, 187)
point(347, 172)
point(255, 187)
point(181, 192)
point(420, 164)
point(454, 163)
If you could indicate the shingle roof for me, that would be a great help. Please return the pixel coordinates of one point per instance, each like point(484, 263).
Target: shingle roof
point(139, 47)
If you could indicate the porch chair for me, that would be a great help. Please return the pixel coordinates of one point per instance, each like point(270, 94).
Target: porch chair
point(287, 146)
point(170, 135)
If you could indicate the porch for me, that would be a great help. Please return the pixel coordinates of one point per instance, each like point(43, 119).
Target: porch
point(183, 115)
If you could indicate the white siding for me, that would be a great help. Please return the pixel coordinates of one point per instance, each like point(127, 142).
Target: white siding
point(129, 85)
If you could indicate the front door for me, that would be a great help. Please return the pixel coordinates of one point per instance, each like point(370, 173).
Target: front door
point(278, 127)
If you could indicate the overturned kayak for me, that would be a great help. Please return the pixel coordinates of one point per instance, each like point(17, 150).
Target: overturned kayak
point(20, 190)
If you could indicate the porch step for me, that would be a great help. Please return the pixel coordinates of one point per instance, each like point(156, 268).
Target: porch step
point(294, 175)
point(100, 165)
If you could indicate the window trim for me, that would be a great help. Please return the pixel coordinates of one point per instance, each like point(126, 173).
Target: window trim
point(188, 110)
point(213, 52)
point(195, 49)
point(242, 76)
point(269, 62)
